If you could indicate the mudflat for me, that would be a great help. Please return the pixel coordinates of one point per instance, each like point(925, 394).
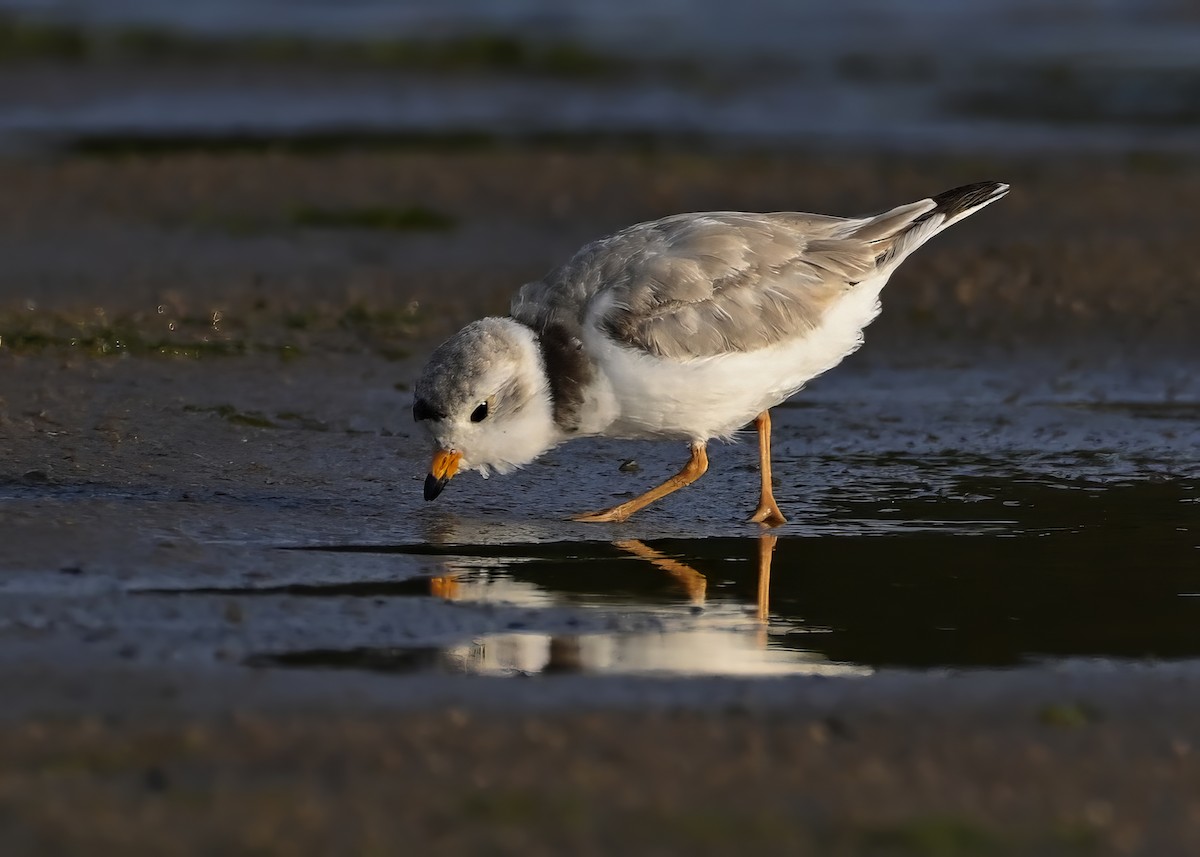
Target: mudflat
point(229, 622)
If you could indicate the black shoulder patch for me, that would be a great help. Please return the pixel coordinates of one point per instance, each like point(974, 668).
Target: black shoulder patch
point(569, 370)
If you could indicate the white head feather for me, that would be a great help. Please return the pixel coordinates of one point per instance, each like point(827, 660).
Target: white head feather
point(484, 394)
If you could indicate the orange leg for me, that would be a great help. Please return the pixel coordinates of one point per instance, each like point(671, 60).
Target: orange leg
point(767, 513)
point(691, 471)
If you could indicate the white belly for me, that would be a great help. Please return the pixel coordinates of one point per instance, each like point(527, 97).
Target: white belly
point(641, 396)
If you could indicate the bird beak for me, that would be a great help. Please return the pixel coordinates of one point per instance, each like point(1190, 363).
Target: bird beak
point(445, 465)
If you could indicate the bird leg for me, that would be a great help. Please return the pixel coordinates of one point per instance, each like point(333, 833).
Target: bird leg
point(767, 513)
point(691, 471)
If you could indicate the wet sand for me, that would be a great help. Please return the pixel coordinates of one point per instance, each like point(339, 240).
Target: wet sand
point(239, 388)
point(1093, 246)
point(975, 765)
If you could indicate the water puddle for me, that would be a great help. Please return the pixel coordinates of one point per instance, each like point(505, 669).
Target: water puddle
point(1023, 574)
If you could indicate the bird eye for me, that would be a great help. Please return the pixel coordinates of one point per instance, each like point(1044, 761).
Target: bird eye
point(480, 413)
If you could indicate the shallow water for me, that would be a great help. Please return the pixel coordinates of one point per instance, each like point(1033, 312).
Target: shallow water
point(943, 514)
point(1006, 573)
point(936, 521)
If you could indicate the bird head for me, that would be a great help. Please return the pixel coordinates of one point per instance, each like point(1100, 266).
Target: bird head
point(485, 400)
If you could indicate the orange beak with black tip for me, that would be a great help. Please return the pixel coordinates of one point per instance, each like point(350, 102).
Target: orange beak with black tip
point(445, 465)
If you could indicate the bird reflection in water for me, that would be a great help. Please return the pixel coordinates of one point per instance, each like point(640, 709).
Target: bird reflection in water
point(696, 584)
point(717, 639)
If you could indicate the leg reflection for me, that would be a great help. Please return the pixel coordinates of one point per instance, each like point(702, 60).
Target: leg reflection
point(766, 550)
point(692, 581)
point(695, 583)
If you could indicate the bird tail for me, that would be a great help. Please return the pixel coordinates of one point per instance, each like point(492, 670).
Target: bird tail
point(960, 202)
point(899, 232)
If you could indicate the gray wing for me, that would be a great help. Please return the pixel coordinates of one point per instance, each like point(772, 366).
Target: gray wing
point(699, 285)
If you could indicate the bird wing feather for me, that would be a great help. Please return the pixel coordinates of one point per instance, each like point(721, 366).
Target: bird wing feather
point(700, 285)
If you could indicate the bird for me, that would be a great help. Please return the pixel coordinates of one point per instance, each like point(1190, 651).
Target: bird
point(689, 327)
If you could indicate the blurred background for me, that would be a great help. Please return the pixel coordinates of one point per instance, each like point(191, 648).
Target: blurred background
point(317, 158)
point(995, 74)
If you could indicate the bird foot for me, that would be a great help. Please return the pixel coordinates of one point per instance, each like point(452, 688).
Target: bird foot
point(615, 515)
point(768, 515)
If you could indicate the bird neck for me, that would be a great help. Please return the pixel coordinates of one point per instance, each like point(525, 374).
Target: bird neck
point(568, 371)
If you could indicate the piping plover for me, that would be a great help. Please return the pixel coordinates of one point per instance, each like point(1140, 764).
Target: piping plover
point(688, 327)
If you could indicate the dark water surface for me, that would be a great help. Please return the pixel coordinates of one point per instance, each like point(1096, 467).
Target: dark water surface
point(943, 516)
point(947, 514)
point(1016, 573)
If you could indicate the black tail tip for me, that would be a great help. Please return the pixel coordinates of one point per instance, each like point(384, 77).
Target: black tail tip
point(957, 200)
